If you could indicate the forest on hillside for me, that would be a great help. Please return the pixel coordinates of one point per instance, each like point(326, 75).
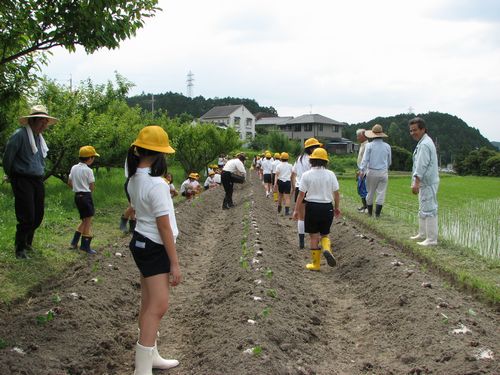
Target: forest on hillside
point(175, 104)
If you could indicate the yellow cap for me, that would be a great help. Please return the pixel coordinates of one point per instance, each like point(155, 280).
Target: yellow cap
point(268, 155)
point(277, 155)
point(87, 152)
point(311, 142)
point(193, 175)
point(154, 138)
point(319, 153)
point(211, 173)
point(284, 156)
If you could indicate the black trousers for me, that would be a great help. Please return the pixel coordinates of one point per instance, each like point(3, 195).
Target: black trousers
point(227, 183)
point(29, 198)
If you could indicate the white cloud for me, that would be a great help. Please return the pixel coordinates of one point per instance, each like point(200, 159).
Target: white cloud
point(351, 61)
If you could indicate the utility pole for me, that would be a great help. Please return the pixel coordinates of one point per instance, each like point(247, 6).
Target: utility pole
point(190, 84)
point(152, 104)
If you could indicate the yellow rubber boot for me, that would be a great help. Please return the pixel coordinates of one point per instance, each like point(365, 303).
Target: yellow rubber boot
point(327, 251)
point(275, 196)
point(316, 259)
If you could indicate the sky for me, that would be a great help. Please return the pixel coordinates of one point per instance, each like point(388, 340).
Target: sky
point(348, 60)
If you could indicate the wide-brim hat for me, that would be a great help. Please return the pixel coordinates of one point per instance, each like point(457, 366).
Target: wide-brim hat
point(38, 111)
point(376, 132)
point(154, 138)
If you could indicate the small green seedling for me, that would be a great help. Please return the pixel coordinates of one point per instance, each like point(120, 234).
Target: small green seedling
point(42, 319)
point(257, 350)
point(445, 319)
point(56, 299)
point(268, 273)
point(471, 312)
point(272, 293)
point(95, 267)
point(265, 313)
point(3, 344)
point(243, 262)
point(107, 254)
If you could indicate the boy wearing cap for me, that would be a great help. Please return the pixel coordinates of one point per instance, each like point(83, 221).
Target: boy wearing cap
point(24, 166)
point(81, 180)
point(210, 181)
point(283, 182)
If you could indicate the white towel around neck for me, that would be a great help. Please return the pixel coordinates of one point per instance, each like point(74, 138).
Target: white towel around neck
point(43, 145)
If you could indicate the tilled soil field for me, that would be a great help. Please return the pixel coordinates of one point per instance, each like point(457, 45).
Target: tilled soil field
point(247, 305)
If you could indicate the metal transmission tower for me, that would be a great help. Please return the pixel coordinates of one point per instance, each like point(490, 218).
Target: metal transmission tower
point(190, 84)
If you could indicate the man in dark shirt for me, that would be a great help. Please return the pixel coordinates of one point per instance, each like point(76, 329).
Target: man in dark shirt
point(24, 165)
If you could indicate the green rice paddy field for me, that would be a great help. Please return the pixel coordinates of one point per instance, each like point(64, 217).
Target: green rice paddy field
point(469, 209)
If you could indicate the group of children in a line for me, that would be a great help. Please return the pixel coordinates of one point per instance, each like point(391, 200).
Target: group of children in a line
point(316, 194)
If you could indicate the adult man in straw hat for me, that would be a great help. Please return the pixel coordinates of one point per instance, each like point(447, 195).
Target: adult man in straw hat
point(375, 165)
point(24, 164)
point(425, 183)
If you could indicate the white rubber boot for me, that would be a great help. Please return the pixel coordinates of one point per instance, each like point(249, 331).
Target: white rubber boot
point(422, 232)
point(161, 363)
point(431, 225)
point(143, 360)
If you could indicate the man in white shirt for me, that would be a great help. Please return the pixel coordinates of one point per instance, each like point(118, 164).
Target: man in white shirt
point(230, 173)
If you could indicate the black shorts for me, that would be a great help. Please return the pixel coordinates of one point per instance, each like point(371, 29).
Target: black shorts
point(318, 218)
point(150, 257)
point(267, 178)
point(284, 187)
point(85, 204)
point(273, 178)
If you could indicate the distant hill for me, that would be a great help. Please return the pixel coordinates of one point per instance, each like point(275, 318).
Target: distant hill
point(496, 144)
point(176, 104)
point(453, 137)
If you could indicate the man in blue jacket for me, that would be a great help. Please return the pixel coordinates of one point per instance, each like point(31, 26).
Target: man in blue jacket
point(24, 166)
point(425, 183)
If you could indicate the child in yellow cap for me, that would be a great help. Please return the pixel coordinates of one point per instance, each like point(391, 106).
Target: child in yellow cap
point(81, 180)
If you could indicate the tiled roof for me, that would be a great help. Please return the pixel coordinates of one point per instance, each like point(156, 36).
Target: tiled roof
point(313, 119)
point(221, 111)
point(272, 120)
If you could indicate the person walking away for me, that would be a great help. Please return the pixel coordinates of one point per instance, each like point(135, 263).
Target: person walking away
point(322, 189)
point(24, 166)
point(361, 181)
point(276, 162)
point(234, 166)
point(375, 166)
point(82, 181)
point(300, 166)
point(153, 241)
point(283, 182)
point(267, 167)
point(425, 183)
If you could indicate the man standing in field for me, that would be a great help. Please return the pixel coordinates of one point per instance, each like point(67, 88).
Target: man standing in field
point(425, 183)
point(361, 180)
point(24, 164)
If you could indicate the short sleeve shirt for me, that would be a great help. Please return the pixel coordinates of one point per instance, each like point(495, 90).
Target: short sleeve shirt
point(319, 184)
point(81, 177)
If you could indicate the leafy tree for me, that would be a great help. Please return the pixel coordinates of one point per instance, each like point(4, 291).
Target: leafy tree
point(197, 145)
point(476, 163)
point(29, 28)
point(401, 159)
point(493, 165)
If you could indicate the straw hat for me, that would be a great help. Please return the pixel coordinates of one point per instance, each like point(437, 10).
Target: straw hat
point(376, 132)
point(38, 111)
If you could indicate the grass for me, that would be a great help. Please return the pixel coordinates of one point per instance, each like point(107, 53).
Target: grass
point(53, 257)
point(472, 268)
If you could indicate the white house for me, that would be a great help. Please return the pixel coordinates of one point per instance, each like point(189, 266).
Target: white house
point(236, 116)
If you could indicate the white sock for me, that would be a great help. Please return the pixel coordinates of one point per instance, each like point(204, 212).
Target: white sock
point(300, 226)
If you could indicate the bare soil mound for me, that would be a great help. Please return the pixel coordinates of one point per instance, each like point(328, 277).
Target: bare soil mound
point(248, 306)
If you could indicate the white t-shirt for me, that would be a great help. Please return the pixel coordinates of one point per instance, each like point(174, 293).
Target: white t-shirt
point(209, 181)
point(235, 166)
point(81, 177)
point(319, 183)
point(284, 170)
point(275, 164)
point(267, 166)
point(300, 166)
point(150, 197)
point(217, 178)
point(189, 185)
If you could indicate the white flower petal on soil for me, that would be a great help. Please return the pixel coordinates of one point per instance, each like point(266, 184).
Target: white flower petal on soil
point(397, 263)
point(462, 330)
point(95, 279)
point(17, 350)
point(118, 254)
point(251, 321)
point(255, 298)
point(258, 252)
point(74, 295)
point(258, 281)
point(248, 351)
point(255, 261)
point(484, 353)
